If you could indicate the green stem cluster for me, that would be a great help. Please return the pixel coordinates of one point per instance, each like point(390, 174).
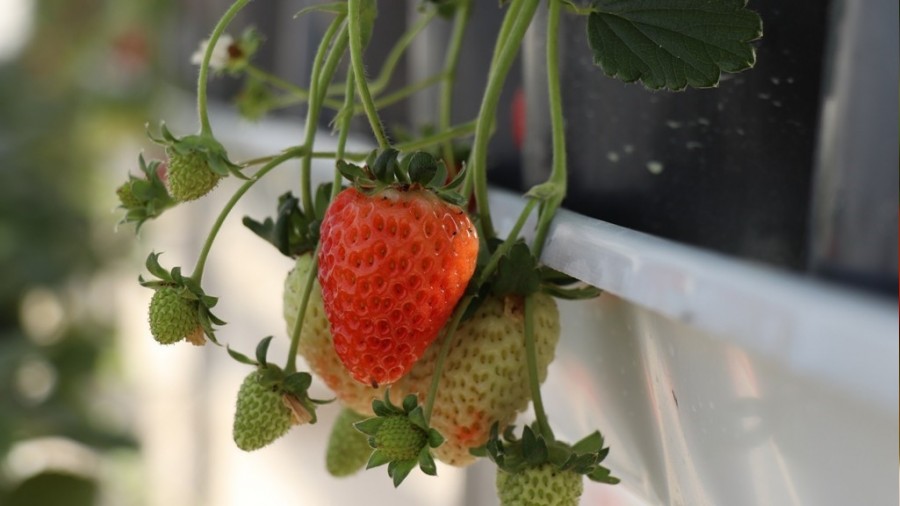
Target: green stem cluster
point(203, 78)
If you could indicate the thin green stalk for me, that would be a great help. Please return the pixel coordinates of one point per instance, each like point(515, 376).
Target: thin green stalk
point(298, 95)
point(464, 305)
point(442, 355)
point(214, 231)
point(344, 132)
point(202, 112)
point(312, 112)
point(394, 55)
point(291, 365)
point(362, 87)
point(511, 238)
point(405, 92)
point(451, 62)
point(496, 79)
point(265, 159)
point(460, 130)
point(558, 174)
point(534, 383)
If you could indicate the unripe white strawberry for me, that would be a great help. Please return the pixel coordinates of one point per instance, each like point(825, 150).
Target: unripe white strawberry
point(485, 376)
point(542, 485)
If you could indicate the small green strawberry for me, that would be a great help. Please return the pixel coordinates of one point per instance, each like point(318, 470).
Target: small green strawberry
point(540, 471)
point(190, 176)
point(174, 317)
point(144, 197)
point(179, 309)
point(541, 485)
point(261, 416)
point(196, 164)
point(348, 448)
point(401, 438)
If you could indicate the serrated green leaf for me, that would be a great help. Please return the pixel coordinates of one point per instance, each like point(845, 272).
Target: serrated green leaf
point(517, 272)
point(672, 44)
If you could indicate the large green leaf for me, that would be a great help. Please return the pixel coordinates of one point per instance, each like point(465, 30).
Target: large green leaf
point(672, 44)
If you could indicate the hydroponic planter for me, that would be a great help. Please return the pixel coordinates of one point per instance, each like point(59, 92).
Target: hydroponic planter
point(717, 381)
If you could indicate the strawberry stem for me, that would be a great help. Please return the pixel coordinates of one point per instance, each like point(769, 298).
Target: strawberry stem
point(354, 9)
point(533, 380)
point(451, 62)
point(299, 94)
point(558, 174)
point(442, 355)
point(393, 58)
point(291, 365)
point(197, 275)
point(322, 70)
point(202, 112)
point(515, 24)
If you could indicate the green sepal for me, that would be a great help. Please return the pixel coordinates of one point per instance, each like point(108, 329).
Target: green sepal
point(144, 197)
point(435, 438)
point(369, 426)
point(240, 357)
point(410, 402)
point(517, 272)
point(398, 470)
point(422, 168)
point(350, 171)
point(378, 458)
point(416, 416)
point(426, 462)
point(262, 349)
point(299, 383)
point(591, 443)
point(384, 166)
point(292, 232)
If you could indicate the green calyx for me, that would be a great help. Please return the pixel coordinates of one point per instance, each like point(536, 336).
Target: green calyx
point(292, 231)
point(401, 438)
point(270, 401)
point(533, 450)
point(196, 164)
point(416, 170)
point(144, 197)
point(179, 309)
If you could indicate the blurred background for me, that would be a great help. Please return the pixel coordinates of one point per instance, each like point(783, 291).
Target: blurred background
point(92, 412)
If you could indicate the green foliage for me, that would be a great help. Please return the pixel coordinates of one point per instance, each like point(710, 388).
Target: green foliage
point(672, 44)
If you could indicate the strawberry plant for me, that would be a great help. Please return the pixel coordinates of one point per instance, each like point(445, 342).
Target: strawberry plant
point(433, 331)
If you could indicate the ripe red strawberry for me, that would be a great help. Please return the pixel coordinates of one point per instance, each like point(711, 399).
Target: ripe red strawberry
point(316, 345)
point(485, 376)
point(393, 263)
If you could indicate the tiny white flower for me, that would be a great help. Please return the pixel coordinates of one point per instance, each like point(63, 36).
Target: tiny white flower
point(219, 58)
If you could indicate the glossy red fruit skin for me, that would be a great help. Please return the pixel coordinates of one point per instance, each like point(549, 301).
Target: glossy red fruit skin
point(392, 266)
